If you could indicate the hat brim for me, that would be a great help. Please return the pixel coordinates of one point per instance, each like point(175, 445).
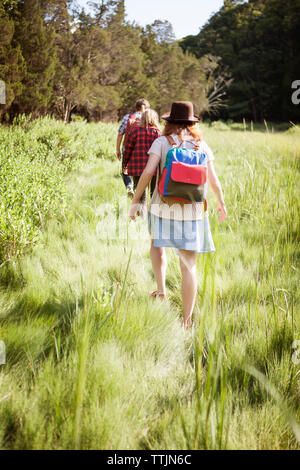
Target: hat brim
point(167, 117)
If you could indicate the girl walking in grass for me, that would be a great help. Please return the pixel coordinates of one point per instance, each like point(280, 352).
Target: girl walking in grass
point(183, 226)
point(136, 155)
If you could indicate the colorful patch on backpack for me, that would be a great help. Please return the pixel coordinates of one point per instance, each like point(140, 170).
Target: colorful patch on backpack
point(184, 177)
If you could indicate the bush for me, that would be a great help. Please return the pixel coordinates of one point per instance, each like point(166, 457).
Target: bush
point(31, 180)
point(77, 118)
point(35, 157)
point(220, 126)
point(295, 130)
point(237, 126)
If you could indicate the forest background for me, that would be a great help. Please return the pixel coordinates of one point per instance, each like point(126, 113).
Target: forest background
point(59, 59)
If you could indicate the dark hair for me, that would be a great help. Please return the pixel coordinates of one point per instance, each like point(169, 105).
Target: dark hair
point(142, 102)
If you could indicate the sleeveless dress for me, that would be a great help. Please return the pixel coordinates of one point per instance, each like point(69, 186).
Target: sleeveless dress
point(175, 226)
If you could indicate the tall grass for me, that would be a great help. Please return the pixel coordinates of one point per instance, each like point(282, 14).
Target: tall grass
point(93, 363)
point(35, 158)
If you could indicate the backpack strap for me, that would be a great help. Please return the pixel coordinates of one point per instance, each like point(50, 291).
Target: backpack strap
point(132, 116)
point(172, 141)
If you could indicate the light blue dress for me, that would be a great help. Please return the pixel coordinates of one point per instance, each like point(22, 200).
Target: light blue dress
point(192, 235)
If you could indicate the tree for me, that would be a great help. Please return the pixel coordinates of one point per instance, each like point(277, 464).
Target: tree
point(163, 31)
point(70, 74)
point(263, 63)
point(96, 63)
point(175, 75)
point(12, 63)
point(37, 45)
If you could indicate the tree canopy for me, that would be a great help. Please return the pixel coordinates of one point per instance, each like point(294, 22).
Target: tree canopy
point(257, 41)
point(57, 58)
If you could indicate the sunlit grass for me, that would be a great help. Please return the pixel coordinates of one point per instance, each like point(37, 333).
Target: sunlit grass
point(93, 363)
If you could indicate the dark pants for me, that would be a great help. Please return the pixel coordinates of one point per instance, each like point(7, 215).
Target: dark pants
point(144, 195)
point(127, 180)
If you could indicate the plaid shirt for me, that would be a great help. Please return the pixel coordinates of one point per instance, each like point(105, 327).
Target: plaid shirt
point(139, 141)
point(122, 128)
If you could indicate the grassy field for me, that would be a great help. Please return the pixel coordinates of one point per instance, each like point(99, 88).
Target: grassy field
point(93, 363)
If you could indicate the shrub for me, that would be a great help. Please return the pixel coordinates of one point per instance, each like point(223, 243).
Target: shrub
point(295, 130)
point(220, 126)
point(35, 157)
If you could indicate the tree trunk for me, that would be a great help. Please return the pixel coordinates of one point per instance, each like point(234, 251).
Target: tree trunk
point(67, 113)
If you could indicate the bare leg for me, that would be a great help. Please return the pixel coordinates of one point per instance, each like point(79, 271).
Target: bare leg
point(189, 285)
point(159, 266)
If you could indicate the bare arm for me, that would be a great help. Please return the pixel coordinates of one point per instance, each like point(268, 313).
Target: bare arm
point(119, 142)
point(143, 182)
point(217, 189)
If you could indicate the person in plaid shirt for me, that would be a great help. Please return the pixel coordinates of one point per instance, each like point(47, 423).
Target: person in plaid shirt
point(140, 106)
point(139, 141)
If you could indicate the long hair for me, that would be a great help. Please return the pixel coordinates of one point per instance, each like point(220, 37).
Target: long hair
point(172, 128)
point(150, 118)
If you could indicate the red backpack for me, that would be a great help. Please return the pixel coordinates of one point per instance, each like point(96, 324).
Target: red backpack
point(184, 177)
point(133, 121)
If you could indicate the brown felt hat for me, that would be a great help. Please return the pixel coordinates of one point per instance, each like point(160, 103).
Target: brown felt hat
point(181, 112)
